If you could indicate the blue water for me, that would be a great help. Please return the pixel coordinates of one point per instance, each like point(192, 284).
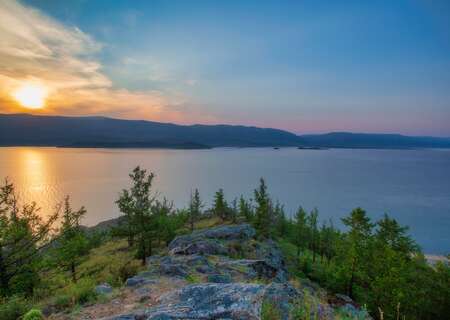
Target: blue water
point(411, 185)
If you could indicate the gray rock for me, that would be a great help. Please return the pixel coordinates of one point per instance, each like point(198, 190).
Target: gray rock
point(103, 288)
point(239, 232)
point(138, 281)
point(251, 268)
point(344, 298)
point(206, 269)
point(281, 295)
point(206, 240)
point(219, 278)
point(272, 255)
point(211, 301)
point(173, 270)
point(200, 246)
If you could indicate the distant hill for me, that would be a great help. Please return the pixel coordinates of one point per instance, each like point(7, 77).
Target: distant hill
point(370, 140)
point(31, 130)
point(25, 129)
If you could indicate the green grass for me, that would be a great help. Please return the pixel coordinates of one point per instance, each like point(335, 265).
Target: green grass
point(193, 278)
point(269, 311)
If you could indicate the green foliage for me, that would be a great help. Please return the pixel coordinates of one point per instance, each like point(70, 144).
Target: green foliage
point(245, 209)
point(280, 222)
point(13, 308)
point(220, 208)
point(195, 206)
point(192, 278)
point(22, 235)
point(138, 204)
point(75, 294)
point(378, 264)
point(263, 211)
point(269, 311)
point(72, 244)
point(33, 314)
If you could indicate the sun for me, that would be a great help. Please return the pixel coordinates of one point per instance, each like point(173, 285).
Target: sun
point(31, 96)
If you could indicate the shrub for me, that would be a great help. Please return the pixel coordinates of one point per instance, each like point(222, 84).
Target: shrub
point(13, 308)
point(270, 311)
point(192, 278)
point(33, 314)
point(78, 293)
point(129, 270)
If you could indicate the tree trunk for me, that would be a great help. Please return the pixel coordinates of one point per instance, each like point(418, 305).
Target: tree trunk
point(73, 272)
point(352, 279)
point(4, 282)
point(143, 252)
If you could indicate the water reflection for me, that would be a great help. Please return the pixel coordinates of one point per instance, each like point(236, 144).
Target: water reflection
point(34, 170)
point(413, 185)
point(34, 182)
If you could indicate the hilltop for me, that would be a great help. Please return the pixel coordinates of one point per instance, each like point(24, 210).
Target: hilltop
point(216, 272)
point(102, 132)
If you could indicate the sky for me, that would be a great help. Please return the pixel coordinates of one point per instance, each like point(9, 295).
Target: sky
point(302, 66)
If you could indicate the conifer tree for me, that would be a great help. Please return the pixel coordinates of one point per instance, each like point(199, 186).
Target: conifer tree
point(137, 204)
point(358, 243)
point(245, 209)
point(220, 205)
point(263, 216)
point(23, 234)
point(195, 206)
point(72, 242)
point(313, 232)
point(300, 230)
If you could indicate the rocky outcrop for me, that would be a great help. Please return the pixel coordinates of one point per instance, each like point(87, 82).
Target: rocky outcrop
point(203, 282)
point(240, 301)
point(208, 241)
point(211, 301)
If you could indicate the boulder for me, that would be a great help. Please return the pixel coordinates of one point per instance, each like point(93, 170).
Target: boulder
point(219, 278)
point(238, 232)
point(103, 288)
point(206, 241)
point(211, 301)
point(199, 246)
point(250, 268)
point(281, 296)
point(173, 270)
point(272, 255)
point(138, 281)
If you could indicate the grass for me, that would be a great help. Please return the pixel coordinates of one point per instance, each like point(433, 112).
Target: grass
point(269, 311)
point(193, 278)
point(112, 262)
point(208, 223)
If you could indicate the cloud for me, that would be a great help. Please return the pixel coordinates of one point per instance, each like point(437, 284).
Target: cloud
point(38, 49)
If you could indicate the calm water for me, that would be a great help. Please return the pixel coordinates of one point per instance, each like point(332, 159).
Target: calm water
point(411, 185)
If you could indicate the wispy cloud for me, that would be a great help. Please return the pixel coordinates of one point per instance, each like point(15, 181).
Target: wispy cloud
point(37, 48)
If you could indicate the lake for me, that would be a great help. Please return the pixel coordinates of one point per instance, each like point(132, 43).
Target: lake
point(411, 185)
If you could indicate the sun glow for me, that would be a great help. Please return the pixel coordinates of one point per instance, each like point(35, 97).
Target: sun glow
point(31, 96)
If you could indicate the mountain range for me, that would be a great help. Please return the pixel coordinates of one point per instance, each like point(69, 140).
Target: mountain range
point(62, 131)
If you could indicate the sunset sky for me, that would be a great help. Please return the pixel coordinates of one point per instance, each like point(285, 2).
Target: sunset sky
point(303, 66)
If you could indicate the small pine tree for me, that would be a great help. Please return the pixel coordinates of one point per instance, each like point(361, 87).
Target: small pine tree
point(23, 234)
point(195, 206)
point(72, 242)
point(281, 222)
point(137, 204)
point(245, 209)
point(357, 241)
point(313, 232)
point(300, 233)
point(234, 211)
point(263, 211)
point(220, 205)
